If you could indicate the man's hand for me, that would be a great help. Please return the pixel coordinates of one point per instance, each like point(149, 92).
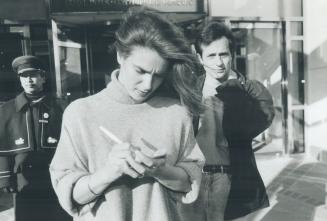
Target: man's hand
point(250, 107)
point(232, 92)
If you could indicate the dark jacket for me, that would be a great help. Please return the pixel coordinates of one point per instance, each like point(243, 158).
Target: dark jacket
point(27, 145)
point(21, 149)
point(248, 111)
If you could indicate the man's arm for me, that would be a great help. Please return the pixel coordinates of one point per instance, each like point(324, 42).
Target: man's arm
point(249, 105)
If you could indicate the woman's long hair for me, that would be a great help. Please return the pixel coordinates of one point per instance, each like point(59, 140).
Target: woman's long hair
point(148, 29)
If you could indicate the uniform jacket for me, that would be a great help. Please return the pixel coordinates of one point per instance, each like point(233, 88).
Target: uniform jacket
point(24, 158)
point(248, 111)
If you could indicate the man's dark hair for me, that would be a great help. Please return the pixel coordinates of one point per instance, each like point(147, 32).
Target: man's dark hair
point(212, 31)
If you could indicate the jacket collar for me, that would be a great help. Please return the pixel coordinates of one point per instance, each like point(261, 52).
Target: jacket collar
point(21, 101)
point(202, 77)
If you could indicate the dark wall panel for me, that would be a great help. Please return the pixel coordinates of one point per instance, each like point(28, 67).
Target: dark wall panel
point(23, 10)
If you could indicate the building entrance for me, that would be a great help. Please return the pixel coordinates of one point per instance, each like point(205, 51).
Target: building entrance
point(261, 55)
point(11, 46)
point(84, 58)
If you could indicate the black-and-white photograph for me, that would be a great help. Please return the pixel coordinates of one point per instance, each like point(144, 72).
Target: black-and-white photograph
point(163, 110)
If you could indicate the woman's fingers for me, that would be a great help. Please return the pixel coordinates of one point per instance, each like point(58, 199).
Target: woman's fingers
point(128, 170)
point(160, 153)
point(139, 168)
point(135, 162)
point(151, 165)
point(121, 156)
point(142, 158)
point(151, 162)
point(147, 150)
point(158, 162)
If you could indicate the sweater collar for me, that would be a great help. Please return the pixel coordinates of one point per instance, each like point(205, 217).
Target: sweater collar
point(116, 91)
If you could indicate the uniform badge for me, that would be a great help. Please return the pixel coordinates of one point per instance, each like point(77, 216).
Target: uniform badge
point(19, 141)
point(46, 115)
point(52, 140)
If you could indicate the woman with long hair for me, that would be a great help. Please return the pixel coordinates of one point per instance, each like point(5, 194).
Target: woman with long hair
point(129, 152)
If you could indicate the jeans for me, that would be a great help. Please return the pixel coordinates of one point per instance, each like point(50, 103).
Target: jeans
point(212, 199)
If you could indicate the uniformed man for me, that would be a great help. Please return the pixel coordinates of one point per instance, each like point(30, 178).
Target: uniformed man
point(29, 131)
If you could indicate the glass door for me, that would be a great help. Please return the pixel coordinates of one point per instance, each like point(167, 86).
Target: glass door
point(84, 58)
point(10, 48)
point(101, 54)
point(259, 55)
point(70, 56)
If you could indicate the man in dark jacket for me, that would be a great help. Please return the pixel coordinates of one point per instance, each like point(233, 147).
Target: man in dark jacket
point(29, 131)
point(236, 111)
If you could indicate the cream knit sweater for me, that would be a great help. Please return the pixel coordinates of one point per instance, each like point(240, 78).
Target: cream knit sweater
point(83, 149)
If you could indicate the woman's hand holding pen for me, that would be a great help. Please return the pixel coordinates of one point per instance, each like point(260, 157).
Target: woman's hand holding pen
point(133, 161)
point(151, 161)
point(170, 176)
point(121, 160)
point(125, 159)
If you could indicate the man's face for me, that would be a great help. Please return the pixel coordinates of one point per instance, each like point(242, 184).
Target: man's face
point(216, 59)
point(142, 72)
point(32, 81)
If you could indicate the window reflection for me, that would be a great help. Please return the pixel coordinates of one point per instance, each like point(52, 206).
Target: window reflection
point(71, 72)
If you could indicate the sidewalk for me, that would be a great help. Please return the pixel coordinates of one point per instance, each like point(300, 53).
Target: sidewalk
point(296, 186)
point(6, 207)
point(297, 189)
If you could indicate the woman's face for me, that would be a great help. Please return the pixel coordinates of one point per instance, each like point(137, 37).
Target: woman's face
point(142, 72)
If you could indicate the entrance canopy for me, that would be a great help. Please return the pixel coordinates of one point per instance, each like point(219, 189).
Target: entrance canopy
point(107, 18)
point(101, 12)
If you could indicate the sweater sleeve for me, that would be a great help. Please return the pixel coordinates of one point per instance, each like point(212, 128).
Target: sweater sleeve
point(191, 159)
point(66, 168)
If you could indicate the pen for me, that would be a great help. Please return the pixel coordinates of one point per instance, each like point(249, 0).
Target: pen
point(110, 135)
point(156, 154)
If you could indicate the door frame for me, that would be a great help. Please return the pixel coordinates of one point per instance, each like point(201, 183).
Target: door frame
point(252, 23)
